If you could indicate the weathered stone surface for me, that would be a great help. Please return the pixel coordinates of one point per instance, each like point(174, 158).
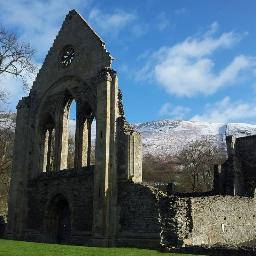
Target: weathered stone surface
point(238, 174)
point(79, 203)
point(223, 220)
point(105, 204)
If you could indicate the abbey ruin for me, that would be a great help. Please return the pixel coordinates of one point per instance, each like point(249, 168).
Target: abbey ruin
point(105, 203)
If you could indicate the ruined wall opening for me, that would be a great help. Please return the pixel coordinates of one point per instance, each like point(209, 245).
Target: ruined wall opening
point(78, 135)
point(67, 124)
point(58, 220)
point(48, 145)
point(71, 135)
point(85, 136)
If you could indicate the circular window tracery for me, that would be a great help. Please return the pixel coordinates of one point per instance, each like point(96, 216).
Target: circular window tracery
point(67, 57)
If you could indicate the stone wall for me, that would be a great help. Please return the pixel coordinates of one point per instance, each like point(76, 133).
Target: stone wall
point(245, 150)
point(224, 220)
point(238, 172)
point(150, 218)
point(138, 216)
point(175, 219)
point(76, 188)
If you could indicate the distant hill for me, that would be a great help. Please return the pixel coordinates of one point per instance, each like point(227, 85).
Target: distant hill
point(168, 137)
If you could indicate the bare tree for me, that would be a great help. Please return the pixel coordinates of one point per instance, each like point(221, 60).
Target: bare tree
point(15, 60)
point(6, 142)
point(15, 57)
point(197, 160)
point(158, 169)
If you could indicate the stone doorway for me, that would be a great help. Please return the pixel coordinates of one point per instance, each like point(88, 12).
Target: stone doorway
point(58, 220)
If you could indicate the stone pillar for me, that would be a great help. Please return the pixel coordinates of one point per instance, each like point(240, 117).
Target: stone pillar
point(89, 121)
point(134, 157)
point(80, 139)
point(105, 167)
point(129, 155)
point(64, 139)
point(61, 137)
point(43, 150)
point(49, 133)
point(83, 139)
point(17, 195)
point(233, 174)
point(112, 219)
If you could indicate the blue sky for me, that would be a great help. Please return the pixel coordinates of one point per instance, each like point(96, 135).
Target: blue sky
point(191, 60)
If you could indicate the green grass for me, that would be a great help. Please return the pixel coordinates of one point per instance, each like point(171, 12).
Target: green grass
point(18, 248)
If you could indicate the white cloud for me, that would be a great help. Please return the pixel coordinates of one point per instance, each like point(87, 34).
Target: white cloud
point(111, 22)
point(188, 68)
point(175, 112)
point(227, 111)
point(37, 21)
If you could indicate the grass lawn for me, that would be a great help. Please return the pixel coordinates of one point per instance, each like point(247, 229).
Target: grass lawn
point(18, 248)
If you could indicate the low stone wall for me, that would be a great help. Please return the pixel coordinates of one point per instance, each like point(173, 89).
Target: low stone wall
point(223, 220)
point(150, 218)
point(207, 221)
point(138, 210)
point(175, 219)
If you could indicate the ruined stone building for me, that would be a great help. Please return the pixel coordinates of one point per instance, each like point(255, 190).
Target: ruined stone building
point(237, 176)
point(48, 201)
point(101, 203)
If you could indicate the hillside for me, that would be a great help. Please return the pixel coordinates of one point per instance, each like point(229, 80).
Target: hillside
point(168, 137)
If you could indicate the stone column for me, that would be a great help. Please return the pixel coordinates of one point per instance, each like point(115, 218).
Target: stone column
point(112, 219)
point(83, 138)
point(89, 121)
point(17, 194)
point(61, 136)
point(49, 150)
point(80, 137)
point(43, 150)
point(64, 139)
point(233, 174)
point(105, 172)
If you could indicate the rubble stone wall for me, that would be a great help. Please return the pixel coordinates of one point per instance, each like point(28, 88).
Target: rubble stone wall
point(226, 220)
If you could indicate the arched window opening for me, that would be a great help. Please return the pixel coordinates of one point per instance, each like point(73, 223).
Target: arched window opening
point(48, 146)
point(88, 142)
point(93, 142)
point(84, 133)
point(71, 135)
point(78, 136)
point(67, 132)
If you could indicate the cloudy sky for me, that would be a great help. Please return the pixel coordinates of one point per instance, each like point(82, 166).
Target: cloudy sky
point(179, 59)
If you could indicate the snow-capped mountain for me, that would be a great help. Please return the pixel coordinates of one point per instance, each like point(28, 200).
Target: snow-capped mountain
point(168, 137)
